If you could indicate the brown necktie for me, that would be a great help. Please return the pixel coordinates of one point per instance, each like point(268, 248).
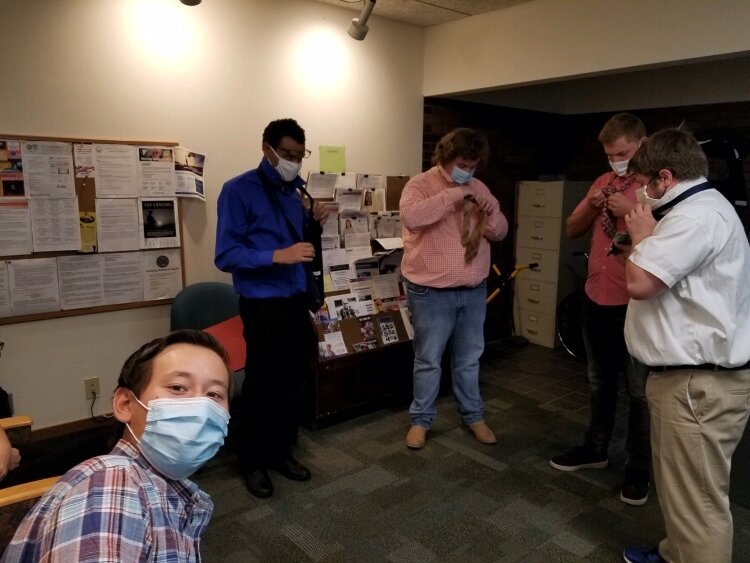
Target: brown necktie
point(470, 239)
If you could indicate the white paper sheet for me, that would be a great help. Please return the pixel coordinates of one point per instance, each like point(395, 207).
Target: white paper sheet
point(85, 162)
point(80, 279)
point(117, 224)
point(162, 274)
point(331, 226)
point(349, 198)
point(33, 286)
point(122, 277)
point(156, 171)
point(321, 185)
point(188, 167)
point(15, 227)
point(339, 276)
point(55, 224)
point(334, 257)
point(116, 170)
point(346, 180)
point(48, 169)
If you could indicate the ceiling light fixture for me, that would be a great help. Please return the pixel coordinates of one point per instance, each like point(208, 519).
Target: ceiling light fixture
point(358, 29)
point(191, 2)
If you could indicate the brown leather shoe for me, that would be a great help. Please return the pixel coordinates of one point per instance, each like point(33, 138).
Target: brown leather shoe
point(481, 432)
point(416, 437)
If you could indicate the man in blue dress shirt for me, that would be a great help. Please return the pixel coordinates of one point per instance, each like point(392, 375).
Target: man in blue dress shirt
point(260, 241)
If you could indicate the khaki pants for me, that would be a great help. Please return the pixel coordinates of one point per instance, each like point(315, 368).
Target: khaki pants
point(697, 420)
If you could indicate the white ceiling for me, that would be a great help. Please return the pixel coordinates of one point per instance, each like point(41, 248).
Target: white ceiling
point(424, 13)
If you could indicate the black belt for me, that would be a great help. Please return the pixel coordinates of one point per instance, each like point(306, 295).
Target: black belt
point(700, 367)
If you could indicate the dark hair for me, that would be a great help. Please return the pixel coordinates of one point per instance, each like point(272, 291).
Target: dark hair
point(674, 150)
point(622, 125)
point(277, 130)
point(461, 142)
point(136, 371)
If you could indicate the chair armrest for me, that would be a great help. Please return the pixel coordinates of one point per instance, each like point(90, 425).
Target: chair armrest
point(15, 422)
point(26, 491)
point(18, 429)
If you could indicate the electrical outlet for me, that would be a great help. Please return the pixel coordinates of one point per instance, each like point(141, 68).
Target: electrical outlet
point(92, 387)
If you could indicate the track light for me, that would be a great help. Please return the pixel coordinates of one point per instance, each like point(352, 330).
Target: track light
point(358, 29)
point(191, 2)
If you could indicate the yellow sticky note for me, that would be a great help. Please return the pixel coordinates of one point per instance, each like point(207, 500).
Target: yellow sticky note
point(332, 159)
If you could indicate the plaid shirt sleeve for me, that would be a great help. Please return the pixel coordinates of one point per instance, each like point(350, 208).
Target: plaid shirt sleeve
point(100, 518)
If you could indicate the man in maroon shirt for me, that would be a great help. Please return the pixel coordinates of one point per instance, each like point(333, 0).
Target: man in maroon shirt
point(602, 212)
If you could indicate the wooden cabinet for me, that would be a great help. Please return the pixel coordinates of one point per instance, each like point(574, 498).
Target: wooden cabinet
point(354, 384)
point(542, 209)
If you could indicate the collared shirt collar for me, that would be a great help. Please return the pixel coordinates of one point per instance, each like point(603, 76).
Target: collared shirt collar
point(681, 187)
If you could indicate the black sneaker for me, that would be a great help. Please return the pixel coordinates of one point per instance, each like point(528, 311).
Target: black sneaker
point(635, 487)
point(580, 458)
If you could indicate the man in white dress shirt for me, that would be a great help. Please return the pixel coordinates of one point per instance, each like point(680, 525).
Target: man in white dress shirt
point(689, 319)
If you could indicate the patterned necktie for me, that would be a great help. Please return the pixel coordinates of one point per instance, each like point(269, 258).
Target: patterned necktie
point(609, 222)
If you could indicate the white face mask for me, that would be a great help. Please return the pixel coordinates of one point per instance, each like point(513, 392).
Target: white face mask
point(644, 198)
point(287, 169)
point(620, 167)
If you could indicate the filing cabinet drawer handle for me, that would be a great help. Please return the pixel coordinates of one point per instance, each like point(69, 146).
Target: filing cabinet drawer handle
point(530, 331)
point(537, 237)
point(538, 205)
point(530, 300)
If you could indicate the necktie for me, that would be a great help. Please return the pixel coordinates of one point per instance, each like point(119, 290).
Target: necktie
point(608, 220)
point(470, 239)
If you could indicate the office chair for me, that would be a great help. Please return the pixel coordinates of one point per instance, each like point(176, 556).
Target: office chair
point(203, 305)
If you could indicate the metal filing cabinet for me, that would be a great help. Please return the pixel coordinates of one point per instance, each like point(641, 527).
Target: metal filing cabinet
point(542, 209)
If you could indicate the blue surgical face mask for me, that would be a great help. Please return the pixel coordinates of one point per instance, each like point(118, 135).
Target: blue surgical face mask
point(181, 434)
point(461, 176)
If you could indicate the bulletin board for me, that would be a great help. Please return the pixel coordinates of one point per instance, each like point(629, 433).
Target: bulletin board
point(87, 226)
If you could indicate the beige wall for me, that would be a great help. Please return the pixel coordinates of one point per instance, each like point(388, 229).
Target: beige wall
point(209, 77)
point(549, 40)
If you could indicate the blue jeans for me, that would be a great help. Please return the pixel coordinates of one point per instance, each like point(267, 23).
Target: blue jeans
point(452, 318)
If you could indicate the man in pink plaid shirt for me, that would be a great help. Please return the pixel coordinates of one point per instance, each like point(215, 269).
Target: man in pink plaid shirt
point(448, 219)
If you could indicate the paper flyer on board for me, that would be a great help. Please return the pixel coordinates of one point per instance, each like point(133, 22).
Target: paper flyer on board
point(116, 170)
point(117, 224)
point(48, 169)
point(81, 283)
point(156, 171)
point(55, 224)
point(159, 223)
point(15, 227)
point(33, 286)
point(188, 167)
point(11, 169)
point(122, 275)
point(162, 274)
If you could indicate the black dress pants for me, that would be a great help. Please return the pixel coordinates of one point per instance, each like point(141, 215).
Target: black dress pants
point(281, 348)
point(604, 336)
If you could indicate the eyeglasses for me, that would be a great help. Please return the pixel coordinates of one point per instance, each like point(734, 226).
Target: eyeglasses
point(295, 156)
